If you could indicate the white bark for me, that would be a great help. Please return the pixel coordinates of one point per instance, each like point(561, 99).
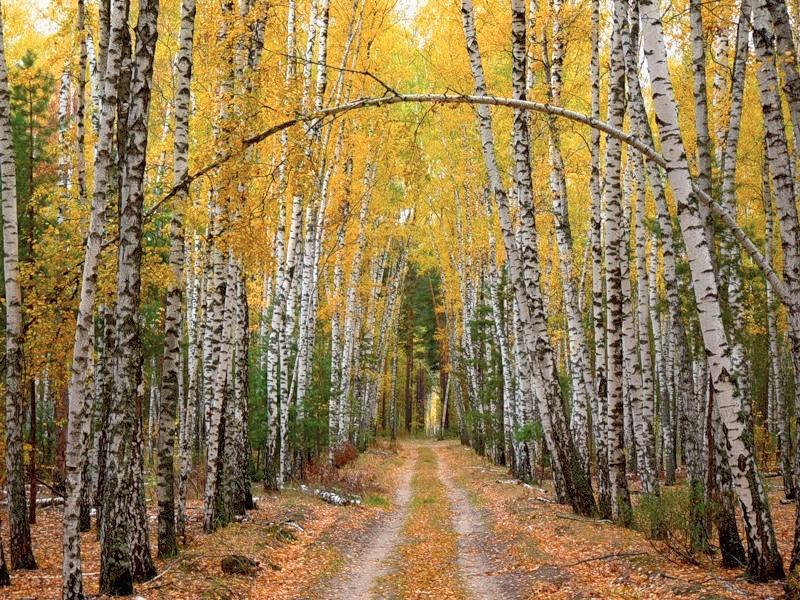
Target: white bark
point(580, 366)
point(648, 450)
point(572, 482)
point(21, 554)
point(764, 560)
point(172, 374)
point(124, 488)
point(620, 498)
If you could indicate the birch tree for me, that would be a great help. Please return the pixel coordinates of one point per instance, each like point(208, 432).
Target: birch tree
point(20, 550)
point(574, 485)
point(764, 560)
point(170, 400)
point(125, 561)
point(621, 510)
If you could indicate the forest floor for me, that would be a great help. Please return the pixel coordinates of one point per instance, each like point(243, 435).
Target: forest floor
point(436, 521)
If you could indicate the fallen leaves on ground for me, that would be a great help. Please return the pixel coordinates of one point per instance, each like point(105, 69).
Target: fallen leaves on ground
point(565, 556)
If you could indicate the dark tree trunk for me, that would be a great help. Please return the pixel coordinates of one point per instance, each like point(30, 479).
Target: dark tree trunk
point(5, 578)
point(60, 452)
point(409, 368)
point(32, 480)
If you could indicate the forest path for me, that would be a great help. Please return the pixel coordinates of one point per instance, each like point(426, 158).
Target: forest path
point(362, 571)
point(474, 540)
point(434, 539)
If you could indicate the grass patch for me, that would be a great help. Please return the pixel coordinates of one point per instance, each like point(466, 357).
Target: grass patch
point(376, 500)
point(420, 501)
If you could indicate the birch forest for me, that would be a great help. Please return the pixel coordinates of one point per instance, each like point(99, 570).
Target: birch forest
point(346, 299)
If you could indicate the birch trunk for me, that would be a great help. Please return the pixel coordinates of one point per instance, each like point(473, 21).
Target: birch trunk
point(730, 250)
point(575, 487)
point(505, 361)
point(72, 582)
point(677, 336)
point(600, 407)
point(783, 186)
point(242, 497)
point(580, 366)
point(215, 427)
point(648, 446)
point(787, 50)
point(783, 425)
point(701, 119)
point(351, 328)
point(764, 559)
point(173, 320)
point(143, 568)
point(189, 423)
point(660, 333)
point(123, 563)
point(225, 455)
point(20, 551)
point(308, 286)
point(152, 413)
point(334, 433)
point(274, 470)
point(632, 356)
point(525, 402)
point(621, 510)
point(103, 392)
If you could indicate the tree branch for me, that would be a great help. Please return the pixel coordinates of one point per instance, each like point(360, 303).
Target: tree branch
point(538, 107)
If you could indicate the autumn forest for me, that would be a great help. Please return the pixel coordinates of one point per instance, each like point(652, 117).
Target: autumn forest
point(398, 299)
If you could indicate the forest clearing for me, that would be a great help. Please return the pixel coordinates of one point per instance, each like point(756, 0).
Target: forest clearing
point(400, 298)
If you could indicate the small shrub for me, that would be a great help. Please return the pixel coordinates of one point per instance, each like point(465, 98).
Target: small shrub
point(357, 481)
point(282, 532)
point(792, 586)
point(344, 454)
point(670, 523)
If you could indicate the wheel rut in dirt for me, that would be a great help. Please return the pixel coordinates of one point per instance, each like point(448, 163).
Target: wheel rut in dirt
point(363, 570)
point(475, 542)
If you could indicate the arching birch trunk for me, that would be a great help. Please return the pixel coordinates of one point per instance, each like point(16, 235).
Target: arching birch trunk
point(764, 559)
point(573, 482)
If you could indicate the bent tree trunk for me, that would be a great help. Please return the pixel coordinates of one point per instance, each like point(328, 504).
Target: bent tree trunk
point(764, 561)
point(568, 471)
